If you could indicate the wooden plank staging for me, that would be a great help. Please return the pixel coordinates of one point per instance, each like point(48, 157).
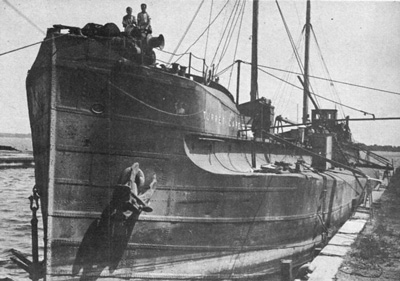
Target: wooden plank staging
point(328, 262)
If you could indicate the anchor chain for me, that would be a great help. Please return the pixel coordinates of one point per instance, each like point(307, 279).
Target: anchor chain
point(35, 271)
point(34, 200)
point(34, 267)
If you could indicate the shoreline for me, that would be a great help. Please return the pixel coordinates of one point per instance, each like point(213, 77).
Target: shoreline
point(376, 251)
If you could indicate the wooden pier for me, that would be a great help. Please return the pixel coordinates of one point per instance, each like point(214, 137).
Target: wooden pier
point(357, 252)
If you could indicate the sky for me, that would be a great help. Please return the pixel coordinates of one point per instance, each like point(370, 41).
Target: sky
point(359, 42)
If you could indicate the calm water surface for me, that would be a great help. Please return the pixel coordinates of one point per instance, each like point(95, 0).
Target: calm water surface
point(15, 229)
point(15, 215)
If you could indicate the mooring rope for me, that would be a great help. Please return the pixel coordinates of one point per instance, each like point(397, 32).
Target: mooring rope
point(30, 45)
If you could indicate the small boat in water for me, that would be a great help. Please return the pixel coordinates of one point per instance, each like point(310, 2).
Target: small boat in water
point(229, 198)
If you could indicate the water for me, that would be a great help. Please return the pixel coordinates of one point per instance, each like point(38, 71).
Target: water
point(15, 229)
point(23, 144)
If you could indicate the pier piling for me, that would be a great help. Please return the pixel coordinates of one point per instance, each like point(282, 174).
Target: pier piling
point(286, 270)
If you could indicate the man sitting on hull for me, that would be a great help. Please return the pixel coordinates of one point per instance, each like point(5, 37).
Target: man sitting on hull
point(129, 20)
point(143, 19)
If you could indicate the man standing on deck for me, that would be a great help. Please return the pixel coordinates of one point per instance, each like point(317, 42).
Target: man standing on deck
point(144, 20)
point(129, 20)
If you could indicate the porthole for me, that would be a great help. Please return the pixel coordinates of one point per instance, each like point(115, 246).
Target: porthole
point(97, 108)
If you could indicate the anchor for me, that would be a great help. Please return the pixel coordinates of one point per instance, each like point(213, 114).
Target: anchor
point(34, 267)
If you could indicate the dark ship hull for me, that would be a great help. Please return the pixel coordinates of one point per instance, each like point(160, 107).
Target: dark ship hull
point(215, 216)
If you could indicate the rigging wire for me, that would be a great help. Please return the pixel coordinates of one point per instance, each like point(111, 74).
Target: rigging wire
point(285, 99)
point(228, 24)
point(181, 54)
point(237, 42)
point(332, 87)
point(297, 13)
point(299, 62)
point(359, 110)
point(326, 67)
point(30, 45)
point(171, 53)
point(239, 15)
point(260, 66)
point(208, 31)
point(193, 68)
point(327, 87)
point(311, 86)
point(235, 20)
point(230, 33)
point(25, 17)
point(27, 46)
point(283, 70)
point(283, 88)
point(336, 81)
point(198, 38)
point(186, 31)
point(225, 69)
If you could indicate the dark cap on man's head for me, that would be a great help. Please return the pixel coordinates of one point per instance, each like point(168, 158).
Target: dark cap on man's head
point(143, 4)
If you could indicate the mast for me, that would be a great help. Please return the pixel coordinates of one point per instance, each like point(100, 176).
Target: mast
point(254, 59)
point(238, 82)
point(306, 60)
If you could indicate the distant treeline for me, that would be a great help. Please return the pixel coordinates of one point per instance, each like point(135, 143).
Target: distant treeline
point(11, 135)
point(376, 147)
